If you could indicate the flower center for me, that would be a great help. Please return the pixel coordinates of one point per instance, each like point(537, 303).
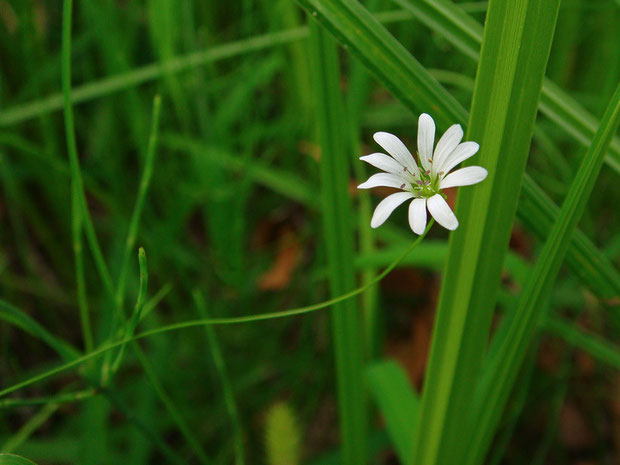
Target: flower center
point(427, 185)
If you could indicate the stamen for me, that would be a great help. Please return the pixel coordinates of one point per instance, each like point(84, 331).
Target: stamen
point(440, 173)
point(426, 182)
point(405, 168)
point(430, 160)
point(427, 172)
point(420, 183)
point(402, 186)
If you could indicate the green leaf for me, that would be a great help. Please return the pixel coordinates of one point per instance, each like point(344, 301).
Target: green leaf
point(465, 34)
point(338, 239)
point(18, 318)
point(599, 348)
point(516, 45)
point(520, 325)
point(10, 459)
point(397, 402)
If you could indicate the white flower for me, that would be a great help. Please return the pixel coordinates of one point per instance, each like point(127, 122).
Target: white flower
point(422, 182)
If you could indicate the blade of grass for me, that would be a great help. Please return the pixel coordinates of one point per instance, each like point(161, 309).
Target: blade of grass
point(213, 321)
point(143, 188)
point(10, 459)
point(521, 324)
point(58, 399)
point(140, 75)
point(220, 365)
point(397, 402)
point(20, 319)
point(465, 33)
point(516, 45)
point(338, 239)
point(604, 351)
point(353, 26)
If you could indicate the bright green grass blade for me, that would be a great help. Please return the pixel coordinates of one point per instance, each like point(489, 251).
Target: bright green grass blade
point(514, 54)
point(465, 33)
point(397, 402)
point(539, 213)
point(521, 324)
point(604, 351)
point(143, 187)
point(338, 239)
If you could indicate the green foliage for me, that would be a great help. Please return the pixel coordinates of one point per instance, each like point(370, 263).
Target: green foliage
point(10, 459)
point(223, 138)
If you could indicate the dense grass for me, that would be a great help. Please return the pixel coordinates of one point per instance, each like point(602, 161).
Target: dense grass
point(221, 138)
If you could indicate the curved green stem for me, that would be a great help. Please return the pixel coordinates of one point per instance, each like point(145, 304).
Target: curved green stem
point(216, 321)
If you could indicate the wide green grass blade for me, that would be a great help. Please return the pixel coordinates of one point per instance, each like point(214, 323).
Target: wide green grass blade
point(514, 54)
point(521, 324)
point(397, 403)
point(338, 240)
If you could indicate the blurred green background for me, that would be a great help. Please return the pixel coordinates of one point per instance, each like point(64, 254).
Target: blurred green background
point(232, 211)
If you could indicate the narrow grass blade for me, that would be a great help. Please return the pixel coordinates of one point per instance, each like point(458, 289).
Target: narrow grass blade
point(604, 351)
point(338, 239)
point(58, 399)
point(137, 76)
point(521, 324)
point(229, 395)
point(539, 213)
point(20, 319)
point(131, 325)
point(145, 181)
point(352, 25)
point(397, 403)
point(10, 459)
point(386, 58)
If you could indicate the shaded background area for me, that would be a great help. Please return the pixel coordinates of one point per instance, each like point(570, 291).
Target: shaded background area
point(232, 211)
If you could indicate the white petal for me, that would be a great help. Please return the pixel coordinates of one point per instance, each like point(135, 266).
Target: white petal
point(464, 177)
point(417, 216)
point(387, 206)
point(442, 213)
point(448, 142)
point(426, 139)
point(383, 162)
point(459, 154)
point(397, 149)
point(384, 180)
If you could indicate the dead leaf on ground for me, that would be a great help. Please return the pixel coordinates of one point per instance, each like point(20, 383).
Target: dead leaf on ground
point(279, 274)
